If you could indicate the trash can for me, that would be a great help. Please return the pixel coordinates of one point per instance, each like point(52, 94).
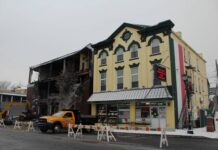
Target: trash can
point(210, 124)
point(216, 121)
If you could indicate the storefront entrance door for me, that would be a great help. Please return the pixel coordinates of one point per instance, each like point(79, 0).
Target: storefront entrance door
point(158, 117)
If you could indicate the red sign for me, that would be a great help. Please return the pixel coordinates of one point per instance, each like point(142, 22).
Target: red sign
point(161, 73)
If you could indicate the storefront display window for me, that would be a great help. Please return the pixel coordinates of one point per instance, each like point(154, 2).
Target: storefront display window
point(124, 113)
point(102, 113)
point(112, 114)
point(153, 114)
point(142, 114)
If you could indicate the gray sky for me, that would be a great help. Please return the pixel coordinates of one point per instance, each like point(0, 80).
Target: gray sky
point(34, 31)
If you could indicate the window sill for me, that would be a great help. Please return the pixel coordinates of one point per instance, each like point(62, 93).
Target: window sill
point(103, 65)
point(119, 62)
point(134, 88)
point(155, 54)
point(133, 58)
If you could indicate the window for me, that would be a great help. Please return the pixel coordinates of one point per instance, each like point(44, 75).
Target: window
point(142, 114)
point(68, 115)
point(123, 113)
point(202, 85)
point(120, 54)
point(185, 57)
point(120, 79)
point(134, 50)
point(189, 58)
point(156, 81)
point(134, 77)
point(155, 45)
point(103, 58)
point(196, 84)
point(103, 81)
point(199, 85)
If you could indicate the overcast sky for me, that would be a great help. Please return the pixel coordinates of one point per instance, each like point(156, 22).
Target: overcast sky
point(34, 31)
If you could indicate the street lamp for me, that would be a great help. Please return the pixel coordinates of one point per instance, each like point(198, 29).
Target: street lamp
point(188, 88)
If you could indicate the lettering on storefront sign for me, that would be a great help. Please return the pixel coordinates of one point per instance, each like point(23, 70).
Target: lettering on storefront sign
point(161, 73)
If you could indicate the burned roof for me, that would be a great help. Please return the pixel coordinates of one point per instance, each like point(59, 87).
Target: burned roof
point(61, 58)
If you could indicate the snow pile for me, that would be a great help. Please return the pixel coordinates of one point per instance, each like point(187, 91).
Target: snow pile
point(198, 132)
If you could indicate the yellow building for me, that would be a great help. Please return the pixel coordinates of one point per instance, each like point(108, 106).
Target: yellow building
point(139, 74)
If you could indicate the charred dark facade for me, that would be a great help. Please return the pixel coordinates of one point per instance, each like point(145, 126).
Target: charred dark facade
point(45, 92)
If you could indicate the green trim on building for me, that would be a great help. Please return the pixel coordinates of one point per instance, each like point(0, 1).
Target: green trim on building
point(173, 75)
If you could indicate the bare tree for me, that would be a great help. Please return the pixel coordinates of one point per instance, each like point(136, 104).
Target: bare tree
point(69, 89)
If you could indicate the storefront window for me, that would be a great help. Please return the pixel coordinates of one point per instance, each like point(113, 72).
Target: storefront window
point(107, 113)
point(143, 114)
point(112, 114)
point(123, 113)
point(153, 114)
point(102, 113)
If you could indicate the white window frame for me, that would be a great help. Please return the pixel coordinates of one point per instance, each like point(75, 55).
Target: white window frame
point(103, 79)
point(135, 74)
point(119, 77)
point(134, 50)
point(155, 48)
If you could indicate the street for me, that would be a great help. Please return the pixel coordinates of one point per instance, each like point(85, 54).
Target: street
point(11, 139)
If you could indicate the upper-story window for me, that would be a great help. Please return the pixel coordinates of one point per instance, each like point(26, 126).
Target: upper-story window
point(103, 58)
point(189, 58)
point(199, 85)
point(185, 57)
point(202, 84)
point(155, 46)
point(119, 78)
point(119, 54)
point(103, 80)
point(134, 77)
point(156, 80)
point(134, 50)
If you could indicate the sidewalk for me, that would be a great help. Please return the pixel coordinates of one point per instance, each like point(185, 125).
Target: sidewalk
point(198, 132)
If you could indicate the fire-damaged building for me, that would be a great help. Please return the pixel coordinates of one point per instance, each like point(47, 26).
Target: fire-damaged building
point(62, 83)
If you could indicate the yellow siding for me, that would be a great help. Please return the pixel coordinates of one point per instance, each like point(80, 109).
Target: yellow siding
point(145, 69)
point(145, 76)
point(93, 109)
point(132, 111)
point(199, 99)
point(170, 115)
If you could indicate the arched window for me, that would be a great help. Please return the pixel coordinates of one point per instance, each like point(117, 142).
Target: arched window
point(134, 50)
point(155, 45)
point(103, 58)
point(119, 54)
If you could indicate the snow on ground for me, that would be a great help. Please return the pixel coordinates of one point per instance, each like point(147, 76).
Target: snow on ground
point(198, 132)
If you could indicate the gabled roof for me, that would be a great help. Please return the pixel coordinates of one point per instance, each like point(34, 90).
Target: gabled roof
point(142, 29)
point(124, 25)
point(110, 39)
